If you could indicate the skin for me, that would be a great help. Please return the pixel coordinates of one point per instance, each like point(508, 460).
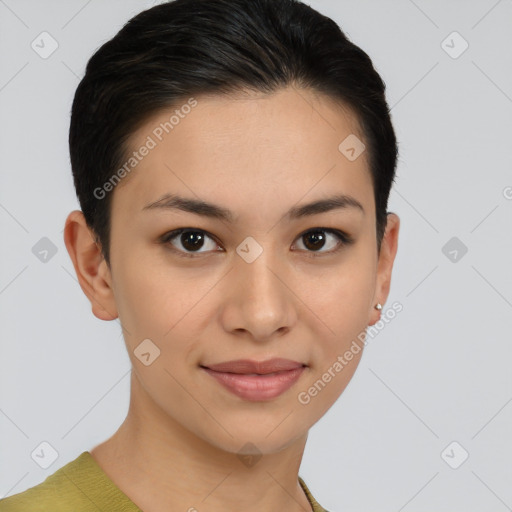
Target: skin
point(257, 155)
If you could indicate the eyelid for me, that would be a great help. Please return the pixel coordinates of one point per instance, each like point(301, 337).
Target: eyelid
point(344, 240)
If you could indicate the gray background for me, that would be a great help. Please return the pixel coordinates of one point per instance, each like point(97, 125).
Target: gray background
point(438, 373)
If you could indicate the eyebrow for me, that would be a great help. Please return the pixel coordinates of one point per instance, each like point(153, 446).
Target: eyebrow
point(205, 209)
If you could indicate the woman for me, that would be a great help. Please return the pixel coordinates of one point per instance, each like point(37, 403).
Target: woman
point(233, 161)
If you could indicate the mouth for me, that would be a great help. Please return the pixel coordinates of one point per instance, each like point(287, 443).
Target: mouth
point(256, 381)
point(249, 366)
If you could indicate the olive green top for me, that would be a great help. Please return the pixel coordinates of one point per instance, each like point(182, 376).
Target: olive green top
point(82, 486)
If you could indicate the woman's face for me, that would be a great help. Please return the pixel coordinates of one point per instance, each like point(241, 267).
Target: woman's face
point(254, 285)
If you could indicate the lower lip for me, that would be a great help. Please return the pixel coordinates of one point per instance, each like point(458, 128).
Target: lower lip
point(257, 387)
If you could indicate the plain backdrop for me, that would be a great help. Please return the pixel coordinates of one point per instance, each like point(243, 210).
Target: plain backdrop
point(425, 424)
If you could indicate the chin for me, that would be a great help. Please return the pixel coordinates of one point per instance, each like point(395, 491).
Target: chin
point(252, 439)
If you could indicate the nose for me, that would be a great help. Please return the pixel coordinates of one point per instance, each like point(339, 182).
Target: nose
point(259, 302)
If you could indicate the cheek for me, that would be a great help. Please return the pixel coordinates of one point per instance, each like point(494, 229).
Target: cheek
point(159, 307)
point(340, 297)
point(143, 301)
point(341, 305)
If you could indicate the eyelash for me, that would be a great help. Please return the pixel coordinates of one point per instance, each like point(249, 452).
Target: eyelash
point(343, 238)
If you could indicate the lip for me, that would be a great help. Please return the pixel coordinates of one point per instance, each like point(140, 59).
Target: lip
point(256, 380)
point(247, 366)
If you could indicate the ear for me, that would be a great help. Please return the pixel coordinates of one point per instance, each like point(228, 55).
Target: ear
point(91, 268)
point(387, 255)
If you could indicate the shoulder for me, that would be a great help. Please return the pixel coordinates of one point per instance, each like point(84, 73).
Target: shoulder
point(57, 493)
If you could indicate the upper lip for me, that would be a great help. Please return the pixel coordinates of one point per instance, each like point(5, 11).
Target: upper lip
point(250, 366)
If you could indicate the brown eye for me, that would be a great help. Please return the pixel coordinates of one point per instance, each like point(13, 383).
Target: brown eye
point(190, 240)
point(314, 240)
point(317, 239)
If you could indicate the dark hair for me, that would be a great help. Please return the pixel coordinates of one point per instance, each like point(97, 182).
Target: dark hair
point(185, 48)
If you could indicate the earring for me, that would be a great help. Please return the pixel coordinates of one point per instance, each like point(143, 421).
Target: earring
point(378, 306)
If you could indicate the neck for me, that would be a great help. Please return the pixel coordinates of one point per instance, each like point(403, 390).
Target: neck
point(160, 465)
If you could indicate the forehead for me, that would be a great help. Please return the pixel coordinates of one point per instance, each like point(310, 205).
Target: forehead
point(249, 147)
